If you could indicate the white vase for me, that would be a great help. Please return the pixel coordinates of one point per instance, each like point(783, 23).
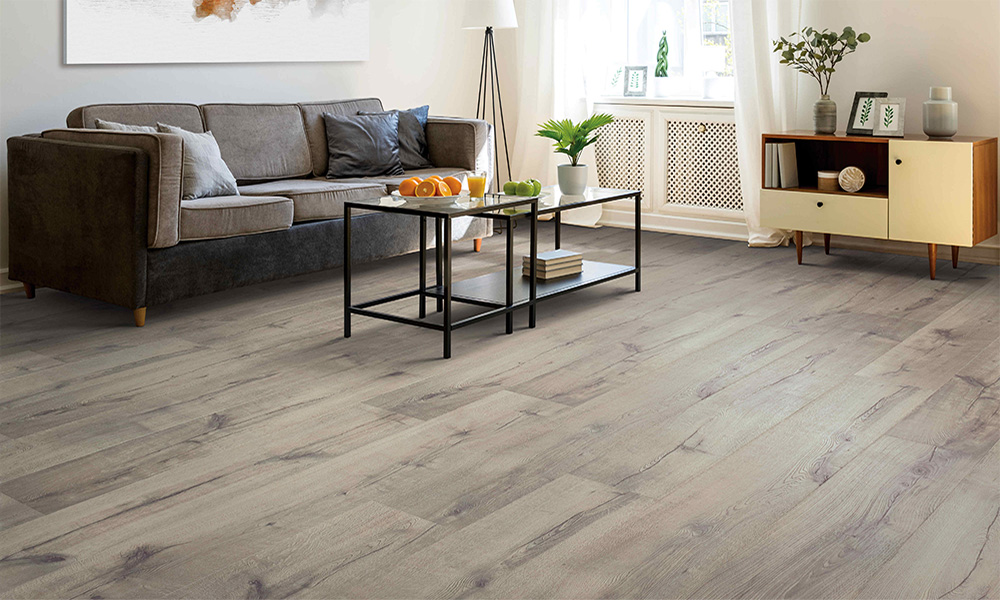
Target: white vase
point(572, 179)
point(940, 114)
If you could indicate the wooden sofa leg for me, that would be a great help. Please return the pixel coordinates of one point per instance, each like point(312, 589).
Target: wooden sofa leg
point(29, 290)
point(140, 316)
point(477, 244)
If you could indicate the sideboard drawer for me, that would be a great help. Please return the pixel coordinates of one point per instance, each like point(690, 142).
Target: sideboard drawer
point(862, 216)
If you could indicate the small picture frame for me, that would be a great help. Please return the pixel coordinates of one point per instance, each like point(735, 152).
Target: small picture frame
point(635, 81)
point(889, 117)
point(862, 120)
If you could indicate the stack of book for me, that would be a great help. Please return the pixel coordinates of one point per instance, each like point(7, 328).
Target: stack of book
point(553, 264)
point(780, 168)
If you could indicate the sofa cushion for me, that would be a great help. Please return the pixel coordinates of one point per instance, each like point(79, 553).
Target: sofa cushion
point(312, 115)
point(363, 145)
point(260, 142)
point(112, 126)
point(205, 173)
point(228, 216)
point(316, 199)
point(392, 183)
point(412, 137)
point(186, 116)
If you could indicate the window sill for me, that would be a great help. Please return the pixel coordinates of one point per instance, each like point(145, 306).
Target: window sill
point(675, 102)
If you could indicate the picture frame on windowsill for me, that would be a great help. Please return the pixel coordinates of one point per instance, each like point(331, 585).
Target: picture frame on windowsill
point(635, 81)
point(862, 121)
point(890, 116)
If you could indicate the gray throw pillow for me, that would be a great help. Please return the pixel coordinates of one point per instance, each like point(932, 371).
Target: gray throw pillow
point(363, 145)
point(112, 126)
point(412, 137)
point(205, 173)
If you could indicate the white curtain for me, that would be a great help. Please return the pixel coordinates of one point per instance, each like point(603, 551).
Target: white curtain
point(765, 96)
point(560, 45)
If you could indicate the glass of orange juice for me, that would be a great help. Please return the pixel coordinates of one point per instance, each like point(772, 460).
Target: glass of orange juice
point(477, 184)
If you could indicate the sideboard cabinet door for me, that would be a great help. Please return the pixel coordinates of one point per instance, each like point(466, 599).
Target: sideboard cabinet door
point(930, 192)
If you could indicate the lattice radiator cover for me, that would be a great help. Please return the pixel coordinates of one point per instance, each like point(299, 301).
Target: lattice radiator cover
point(702, 165)
point(621, 154)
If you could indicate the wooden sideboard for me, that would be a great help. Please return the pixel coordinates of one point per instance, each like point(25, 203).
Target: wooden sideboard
point(916, 190)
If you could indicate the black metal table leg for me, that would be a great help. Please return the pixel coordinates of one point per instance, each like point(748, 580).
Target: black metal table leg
point(437, 247)
point(347, 271)
point(534, 266)
point(638, 241)
point(446, 295)
point(558, 220)
point(423, 267)
point(510, 278)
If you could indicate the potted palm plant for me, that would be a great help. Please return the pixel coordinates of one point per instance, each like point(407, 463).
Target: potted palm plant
point(570, 139)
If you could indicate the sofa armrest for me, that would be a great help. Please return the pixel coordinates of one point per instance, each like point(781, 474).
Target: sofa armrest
point(77, 218)
point(166, 161)
point(462, 143)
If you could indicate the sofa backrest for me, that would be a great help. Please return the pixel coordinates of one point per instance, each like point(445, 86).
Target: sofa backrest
point(312, 115)
point(185, 116)
point(260, 142)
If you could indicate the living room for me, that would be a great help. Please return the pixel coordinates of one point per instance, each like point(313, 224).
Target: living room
point(499, 298)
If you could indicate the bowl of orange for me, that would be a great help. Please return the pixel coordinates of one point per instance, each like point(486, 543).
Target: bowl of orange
point(433, 190)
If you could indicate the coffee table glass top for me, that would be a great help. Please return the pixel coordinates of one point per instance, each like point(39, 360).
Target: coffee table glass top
point(552, 200)
point(462, 207)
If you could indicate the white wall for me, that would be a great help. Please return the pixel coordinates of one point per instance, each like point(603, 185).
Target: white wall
point(916, 44)
point(419, 55)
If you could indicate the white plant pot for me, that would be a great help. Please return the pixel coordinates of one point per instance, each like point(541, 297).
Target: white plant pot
point(572, 180)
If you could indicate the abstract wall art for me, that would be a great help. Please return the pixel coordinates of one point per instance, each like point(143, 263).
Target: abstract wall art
point(213, 31)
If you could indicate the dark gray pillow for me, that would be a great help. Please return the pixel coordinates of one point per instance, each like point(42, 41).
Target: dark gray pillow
point(412, 137)
point(363, 145)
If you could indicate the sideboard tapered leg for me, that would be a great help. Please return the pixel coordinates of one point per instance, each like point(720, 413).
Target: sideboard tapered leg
point(932, 256)
point(798, 246)
point(954, 257)
point(826, 243)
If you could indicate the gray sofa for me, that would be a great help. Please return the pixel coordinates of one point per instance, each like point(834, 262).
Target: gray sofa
point(99, 213)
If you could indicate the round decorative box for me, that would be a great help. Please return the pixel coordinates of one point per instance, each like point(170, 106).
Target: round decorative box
point(827, 181)
point(851, 179)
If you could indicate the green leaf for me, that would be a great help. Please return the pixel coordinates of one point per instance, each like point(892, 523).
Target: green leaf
point(864, 37)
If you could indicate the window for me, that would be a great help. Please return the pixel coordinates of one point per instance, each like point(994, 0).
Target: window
point(699, 49)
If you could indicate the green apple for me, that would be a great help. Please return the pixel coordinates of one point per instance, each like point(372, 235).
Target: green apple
point(538, 186)
point(525, 189)
point(510, 188)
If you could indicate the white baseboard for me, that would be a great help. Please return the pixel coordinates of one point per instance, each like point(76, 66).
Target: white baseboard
point(701, 222)
point(6, 285)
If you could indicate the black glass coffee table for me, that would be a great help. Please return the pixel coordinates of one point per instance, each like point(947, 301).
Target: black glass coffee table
point(501, 292)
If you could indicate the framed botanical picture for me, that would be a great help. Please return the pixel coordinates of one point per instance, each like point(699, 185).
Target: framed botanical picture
point(889, 113)
point(635, 81)
point(862, 120)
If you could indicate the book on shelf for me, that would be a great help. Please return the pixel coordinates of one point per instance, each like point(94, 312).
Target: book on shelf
point(553, 273)
point(554, 258)
point(788, 169)
point(768, 176)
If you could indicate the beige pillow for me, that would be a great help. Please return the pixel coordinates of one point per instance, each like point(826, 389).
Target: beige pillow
point(112, 126)
point(205, 173)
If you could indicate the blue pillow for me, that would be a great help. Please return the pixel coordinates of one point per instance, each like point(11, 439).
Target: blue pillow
point(413, 153)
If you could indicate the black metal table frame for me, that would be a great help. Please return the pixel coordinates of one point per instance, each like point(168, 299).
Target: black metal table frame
point(443, 271)
point(443, 275)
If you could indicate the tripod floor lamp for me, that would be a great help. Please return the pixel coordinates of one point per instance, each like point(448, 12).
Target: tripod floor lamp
point(491, 14)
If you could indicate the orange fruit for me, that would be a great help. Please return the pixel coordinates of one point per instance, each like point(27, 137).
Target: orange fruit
point(443, 189)
point(406, 188)
point(454, 184)
point(426, 188)
point(435, 177)
point(416, 179)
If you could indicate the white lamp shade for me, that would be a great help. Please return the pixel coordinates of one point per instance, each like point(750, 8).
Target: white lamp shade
point(498, 14)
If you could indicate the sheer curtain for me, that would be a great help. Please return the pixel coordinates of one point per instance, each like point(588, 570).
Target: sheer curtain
point(560, 50)
point(765, 96)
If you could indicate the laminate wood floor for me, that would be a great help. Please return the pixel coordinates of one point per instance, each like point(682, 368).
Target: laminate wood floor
point(743, 427)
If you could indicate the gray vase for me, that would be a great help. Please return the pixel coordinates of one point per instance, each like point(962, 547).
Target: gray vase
point(572, 179)
point(940, 114)
point(825, 115)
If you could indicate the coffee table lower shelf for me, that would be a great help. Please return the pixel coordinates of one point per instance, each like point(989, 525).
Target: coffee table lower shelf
point(491, 290)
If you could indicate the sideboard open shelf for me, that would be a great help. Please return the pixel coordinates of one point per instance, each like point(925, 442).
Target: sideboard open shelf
point(917, 189)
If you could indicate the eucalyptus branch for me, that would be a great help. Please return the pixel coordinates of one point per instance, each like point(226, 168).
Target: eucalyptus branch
point(817, 53)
